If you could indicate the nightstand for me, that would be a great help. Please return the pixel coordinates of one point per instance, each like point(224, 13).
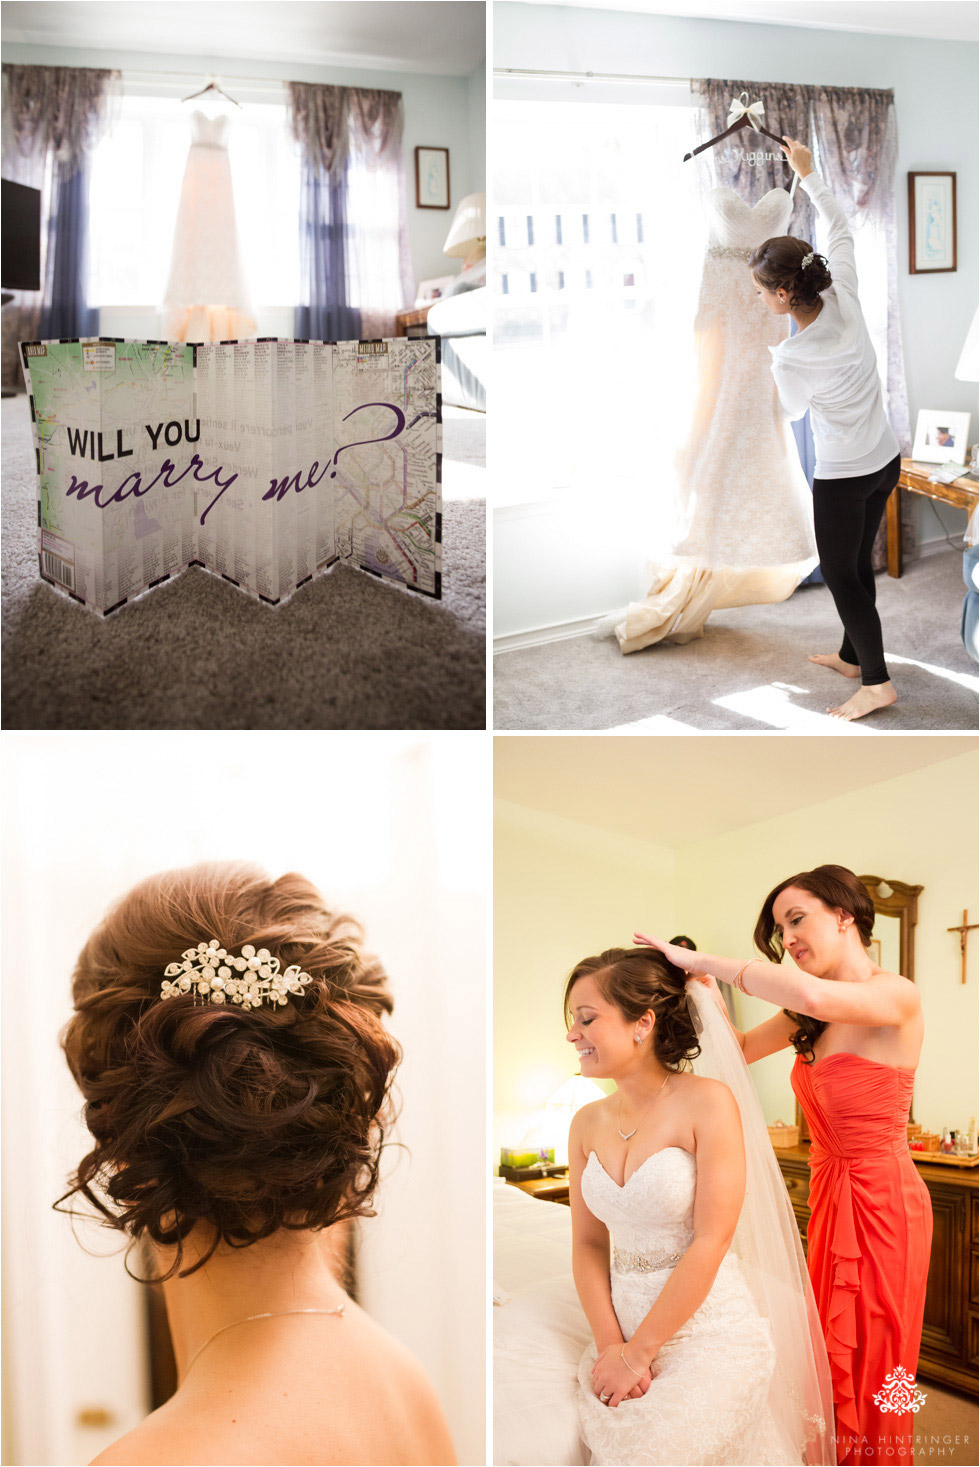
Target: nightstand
point(412, 323)
point(915, 478)
point(549, 1189)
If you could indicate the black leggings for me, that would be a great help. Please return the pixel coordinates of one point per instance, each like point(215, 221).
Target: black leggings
point(846, 516)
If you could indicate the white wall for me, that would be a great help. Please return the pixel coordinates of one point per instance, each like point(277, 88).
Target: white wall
point(936, 310)
point(562, 890)
point(920, 828)
point(439, 112)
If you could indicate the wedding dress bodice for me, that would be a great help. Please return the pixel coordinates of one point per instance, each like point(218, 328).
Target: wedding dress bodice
point(734, 224)
point(209, 132)
point(653, 1212)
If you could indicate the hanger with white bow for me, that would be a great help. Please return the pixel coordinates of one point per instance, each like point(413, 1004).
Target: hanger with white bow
point(740, 114)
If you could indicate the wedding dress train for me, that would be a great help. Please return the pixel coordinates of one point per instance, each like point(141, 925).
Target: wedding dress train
point(206, 297)
point(708, 1401)
point(744, 531)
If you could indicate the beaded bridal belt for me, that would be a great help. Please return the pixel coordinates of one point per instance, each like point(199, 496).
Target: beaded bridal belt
point(729, 252)
point(624, 1261)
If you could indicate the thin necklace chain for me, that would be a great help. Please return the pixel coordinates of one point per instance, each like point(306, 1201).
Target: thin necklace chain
point(626, 1135)
point(273, 1314)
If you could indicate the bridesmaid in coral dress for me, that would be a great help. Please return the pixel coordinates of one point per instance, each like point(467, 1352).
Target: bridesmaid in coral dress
point(858, 1032)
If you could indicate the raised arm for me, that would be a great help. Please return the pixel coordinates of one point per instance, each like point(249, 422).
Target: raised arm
point(764, 1039)
point(884, 998)
point(840, 241)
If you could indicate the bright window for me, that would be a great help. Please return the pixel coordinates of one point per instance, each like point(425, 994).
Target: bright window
point(599, 240)
point(135, 188)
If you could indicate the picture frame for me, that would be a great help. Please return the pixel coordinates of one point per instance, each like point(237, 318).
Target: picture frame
point(431, 178)
point(932, 223)
point(941, 436)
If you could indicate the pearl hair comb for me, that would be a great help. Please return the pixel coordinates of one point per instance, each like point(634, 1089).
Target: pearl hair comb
point(216, 975)
point(807, 260)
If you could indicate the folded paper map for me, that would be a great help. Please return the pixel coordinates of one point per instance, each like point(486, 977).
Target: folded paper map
point(263, 461)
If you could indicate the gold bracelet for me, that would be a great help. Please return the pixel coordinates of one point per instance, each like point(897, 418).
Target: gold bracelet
point(737, 980)
point(638, 1373)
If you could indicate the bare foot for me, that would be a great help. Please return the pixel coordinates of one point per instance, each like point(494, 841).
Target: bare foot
point(831, 659)
point(865, 700)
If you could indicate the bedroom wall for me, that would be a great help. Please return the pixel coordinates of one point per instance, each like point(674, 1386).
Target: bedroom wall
point(562, 890)
point(911, 828)
point(936, 310)
point(440, 111)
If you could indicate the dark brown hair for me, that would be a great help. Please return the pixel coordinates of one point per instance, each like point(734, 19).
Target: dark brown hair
point(778, 265)
point(835, 886)
point(637, 979)
point(245, 1121)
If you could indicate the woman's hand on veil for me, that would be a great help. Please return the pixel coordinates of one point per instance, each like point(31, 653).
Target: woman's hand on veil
point(681, 957)
point(613, 1379)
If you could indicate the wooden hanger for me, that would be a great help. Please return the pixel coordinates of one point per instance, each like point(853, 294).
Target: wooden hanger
point(736, 126)
point(212, 86)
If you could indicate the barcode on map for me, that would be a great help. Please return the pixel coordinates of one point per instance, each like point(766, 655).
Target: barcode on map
point(59, 569)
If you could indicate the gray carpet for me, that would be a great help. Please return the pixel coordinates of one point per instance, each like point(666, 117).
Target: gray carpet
point(344, 652)
point(749, 670)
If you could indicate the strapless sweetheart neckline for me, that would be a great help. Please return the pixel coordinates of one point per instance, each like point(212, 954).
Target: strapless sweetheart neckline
point(751, 207)
point(899, 1069)
point(621, 1186)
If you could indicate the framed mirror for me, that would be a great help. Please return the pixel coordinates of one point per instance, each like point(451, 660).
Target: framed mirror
point(893, 942)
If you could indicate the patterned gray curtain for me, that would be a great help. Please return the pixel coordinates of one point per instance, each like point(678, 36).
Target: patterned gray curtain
point(354, 278)
point(851, 132)
point(53, 119)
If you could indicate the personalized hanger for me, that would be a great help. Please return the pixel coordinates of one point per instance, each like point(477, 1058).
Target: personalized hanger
point(212, 86)
point(740, 115)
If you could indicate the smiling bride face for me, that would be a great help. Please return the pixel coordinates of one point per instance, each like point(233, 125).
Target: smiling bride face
point(602, 1035)
point(626, 1008)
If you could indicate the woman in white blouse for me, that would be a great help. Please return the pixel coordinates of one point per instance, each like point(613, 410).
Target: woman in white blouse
point(829, 366)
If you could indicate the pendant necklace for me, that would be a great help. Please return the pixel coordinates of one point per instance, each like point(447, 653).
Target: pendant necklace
point(627, 1134)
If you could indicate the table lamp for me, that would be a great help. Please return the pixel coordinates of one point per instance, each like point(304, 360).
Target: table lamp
point(467, 238)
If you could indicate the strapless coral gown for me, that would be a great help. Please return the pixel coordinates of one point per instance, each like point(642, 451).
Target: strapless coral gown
point(868, 1243)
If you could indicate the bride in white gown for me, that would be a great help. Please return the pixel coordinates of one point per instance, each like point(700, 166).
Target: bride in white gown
point(707, 1344)
point(744, 525)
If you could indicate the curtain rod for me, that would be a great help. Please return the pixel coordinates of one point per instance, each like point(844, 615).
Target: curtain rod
point(678, 81)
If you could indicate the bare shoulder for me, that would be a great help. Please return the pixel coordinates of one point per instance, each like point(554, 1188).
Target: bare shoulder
point(709, 1100)
point(903, 988)
point(586, 1117)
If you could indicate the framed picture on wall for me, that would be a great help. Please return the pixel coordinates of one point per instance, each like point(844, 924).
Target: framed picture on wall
point(932, 223)
point(432, 178)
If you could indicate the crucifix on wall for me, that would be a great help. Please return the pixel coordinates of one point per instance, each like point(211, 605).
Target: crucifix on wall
point(963, 929)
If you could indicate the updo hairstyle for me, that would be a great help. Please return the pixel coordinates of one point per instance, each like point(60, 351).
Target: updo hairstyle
point(835, 886)
point(244, 1121)
point(635, 980)
point(778, 265)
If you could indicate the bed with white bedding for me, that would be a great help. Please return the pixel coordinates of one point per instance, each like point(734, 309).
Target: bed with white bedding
point(540, 1332)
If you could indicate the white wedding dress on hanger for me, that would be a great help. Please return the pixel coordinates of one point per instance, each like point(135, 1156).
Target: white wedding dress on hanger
point(744, 513)
point(206, 297)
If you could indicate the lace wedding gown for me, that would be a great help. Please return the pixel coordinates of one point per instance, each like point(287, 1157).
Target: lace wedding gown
point(707, 1402)
point(744, 513)
point(206, 297)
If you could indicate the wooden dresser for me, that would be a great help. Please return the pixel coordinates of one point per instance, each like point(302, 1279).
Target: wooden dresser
point(949, 1333)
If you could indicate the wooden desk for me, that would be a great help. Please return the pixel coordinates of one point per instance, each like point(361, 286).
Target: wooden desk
point(915, 478)
point(407, 321)
point(949, 1332)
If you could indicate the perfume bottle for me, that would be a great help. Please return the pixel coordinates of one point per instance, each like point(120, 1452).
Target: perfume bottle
point(946, 1144)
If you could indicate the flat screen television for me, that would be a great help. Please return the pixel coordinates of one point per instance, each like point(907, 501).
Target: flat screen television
point(20, 265)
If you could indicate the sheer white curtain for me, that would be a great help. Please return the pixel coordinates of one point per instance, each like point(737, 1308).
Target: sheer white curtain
point(390, 826)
